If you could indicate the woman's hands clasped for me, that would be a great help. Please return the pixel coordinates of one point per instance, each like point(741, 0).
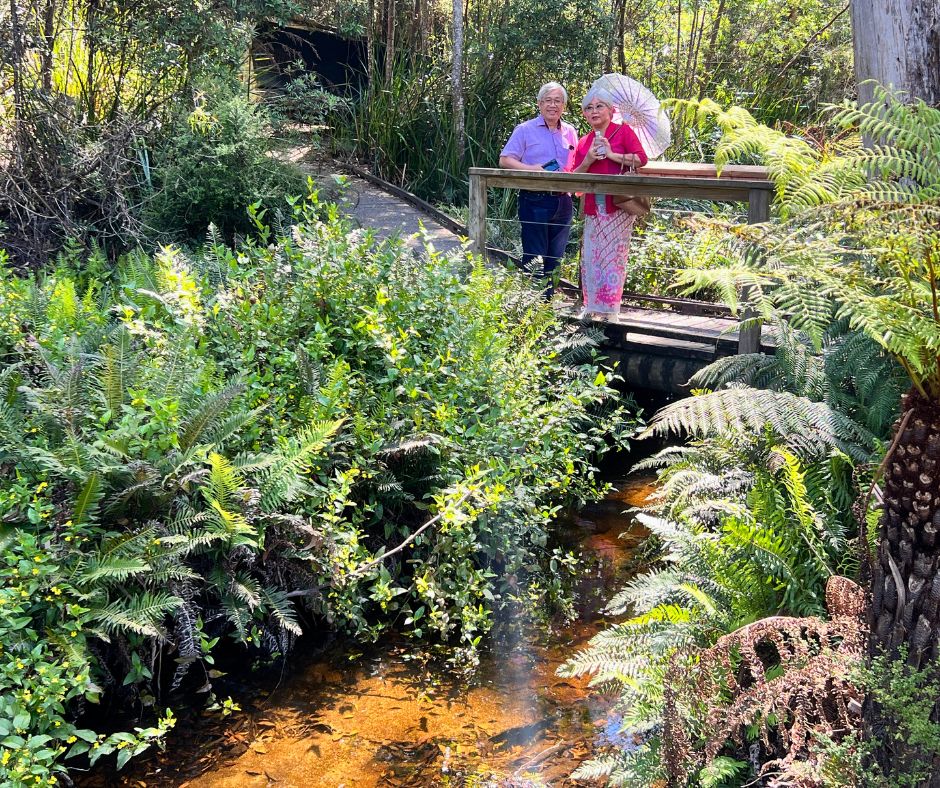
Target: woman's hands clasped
point(599, 149)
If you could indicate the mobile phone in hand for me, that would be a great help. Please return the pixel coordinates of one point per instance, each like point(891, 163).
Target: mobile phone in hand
point(552, 165)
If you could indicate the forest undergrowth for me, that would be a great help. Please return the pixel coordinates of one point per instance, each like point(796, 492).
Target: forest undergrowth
point(314, 429)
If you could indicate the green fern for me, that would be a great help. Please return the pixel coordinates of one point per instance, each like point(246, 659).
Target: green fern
point(88, 500)
point(209, 415)
point(810, 428)
point(142, 614)
point(862, 229)
point(281, 474)
point(118, 364)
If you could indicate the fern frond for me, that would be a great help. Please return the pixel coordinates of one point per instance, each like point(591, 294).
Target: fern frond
point(811, 427)
point(117, 364)
point(223, 482)
point(281, 480)
point(208, 415)
point(280, 607)
point(142, 614)
point(86, 504)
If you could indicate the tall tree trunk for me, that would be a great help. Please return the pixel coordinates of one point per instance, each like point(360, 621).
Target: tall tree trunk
point(419, 36)
point(457, 79)
point(709, 58)
point(389, 41)
point(91, 39)
point(897, 43)
point(48, 45)
point(18, 52)
point(370, 40)
point(621, 35)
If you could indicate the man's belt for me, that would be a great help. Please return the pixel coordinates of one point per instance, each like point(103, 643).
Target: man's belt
point(545, 194)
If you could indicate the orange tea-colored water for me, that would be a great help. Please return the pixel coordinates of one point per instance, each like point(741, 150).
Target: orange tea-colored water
point(380, 719)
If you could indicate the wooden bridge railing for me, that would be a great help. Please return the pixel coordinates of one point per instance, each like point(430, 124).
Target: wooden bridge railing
point(658, 179)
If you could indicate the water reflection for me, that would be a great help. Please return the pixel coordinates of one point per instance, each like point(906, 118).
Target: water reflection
point(383, 720)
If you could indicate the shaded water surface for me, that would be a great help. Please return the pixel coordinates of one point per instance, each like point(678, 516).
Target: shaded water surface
point(380, 719)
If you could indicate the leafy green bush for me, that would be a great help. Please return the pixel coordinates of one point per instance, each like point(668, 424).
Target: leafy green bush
point(304, 100)
point(906, 699)
point(212, 164)
point(235, 445)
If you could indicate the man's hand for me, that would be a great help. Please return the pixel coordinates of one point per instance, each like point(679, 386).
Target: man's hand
point(511, 163)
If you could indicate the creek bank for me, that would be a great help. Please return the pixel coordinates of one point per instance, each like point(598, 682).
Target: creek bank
point(380, 717)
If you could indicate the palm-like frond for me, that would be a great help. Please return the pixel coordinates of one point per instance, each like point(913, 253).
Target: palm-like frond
point(862, 231)
point(142, 614)
point(811, 428)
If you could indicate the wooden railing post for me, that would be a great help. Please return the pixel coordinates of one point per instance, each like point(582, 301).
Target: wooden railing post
point(758, 206)
point(758, 210)
point(476, 222)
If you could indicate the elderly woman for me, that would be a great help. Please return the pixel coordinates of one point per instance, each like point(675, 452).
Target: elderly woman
point(609, 149)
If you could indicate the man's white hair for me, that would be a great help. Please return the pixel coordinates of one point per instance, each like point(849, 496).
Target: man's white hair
point(550, 86)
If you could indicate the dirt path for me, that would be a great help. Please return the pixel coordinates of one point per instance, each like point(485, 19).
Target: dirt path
point(369, 206)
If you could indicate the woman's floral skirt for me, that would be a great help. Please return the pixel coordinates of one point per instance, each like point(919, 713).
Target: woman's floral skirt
point(604, 260)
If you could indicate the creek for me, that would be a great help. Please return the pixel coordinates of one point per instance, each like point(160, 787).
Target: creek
point(380, 717)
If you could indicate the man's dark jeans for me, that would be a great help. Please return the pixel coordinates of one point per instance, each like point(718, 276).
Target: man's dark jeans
point(546, 225)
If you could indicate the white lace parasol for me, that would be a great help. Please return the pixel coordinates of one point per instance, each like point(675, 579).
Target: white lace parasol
point(639, 109)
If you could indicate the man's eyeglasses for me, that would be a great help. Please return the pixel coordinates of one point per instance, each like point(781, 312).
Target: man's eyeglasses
point(553, 101)
point(595, 107)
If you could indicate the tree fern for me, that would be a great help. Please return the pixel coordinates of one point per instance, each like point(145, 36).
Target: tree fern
point(875, 262)
point(809, 427)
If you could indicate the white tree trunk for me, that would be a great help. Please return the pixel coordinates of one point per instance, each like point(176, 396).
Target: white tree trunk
point(390, 42)
point(457, 77)
point(897, 43)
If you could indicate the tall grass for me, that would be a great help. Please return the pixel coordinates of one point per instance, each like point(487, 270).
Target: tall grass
point(404, 130)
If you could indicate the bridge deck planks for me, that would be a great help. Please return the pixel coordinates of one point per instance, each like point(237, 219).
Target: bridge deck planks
point(657, 330)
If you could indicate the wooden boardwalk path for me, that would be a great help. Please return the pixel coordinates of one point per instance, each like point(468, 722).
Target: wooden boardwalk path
point(371, 206)
point(662, 348)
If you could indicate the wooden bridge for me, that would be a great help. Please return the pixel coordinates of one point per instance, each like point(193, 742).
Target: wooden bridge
point(658, 342)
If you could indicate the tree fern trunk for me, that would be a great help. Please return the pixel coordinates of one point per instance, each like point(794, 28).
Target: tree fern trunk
point(906, 577)
point(905, 606)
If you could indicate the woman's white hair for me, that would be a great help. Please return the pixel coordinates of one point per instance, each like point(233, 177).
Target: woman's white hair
point(598, 94)
point(549, 86)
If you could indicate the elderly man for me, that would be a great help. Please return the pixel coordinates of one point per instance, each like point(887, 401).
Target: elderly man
point(543, 143)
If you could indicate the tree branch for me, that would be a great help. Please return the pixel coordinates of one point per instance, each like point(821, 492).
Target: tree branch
point(363, 568)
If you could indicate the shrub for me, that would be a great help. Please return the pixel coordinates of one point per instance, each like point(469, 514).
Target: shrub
point(212, 164)
point(304, 100)
point(239, 444)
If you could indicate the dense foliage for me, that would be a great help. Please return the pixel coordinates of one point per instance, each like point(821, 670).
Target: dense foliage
point(213, 164)
point(783, 64)
point(227, 446)
point(96, 95)
point(787, 471)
